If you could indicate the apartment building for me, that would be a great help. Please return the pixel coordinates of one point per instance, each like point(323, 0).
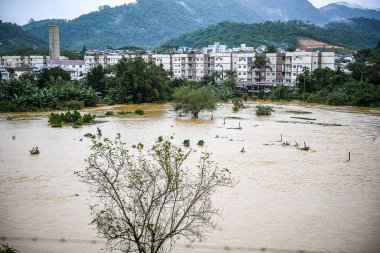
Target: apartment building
point(22, 61)
point(282, 68)
point(104, 58)
point(77, 67)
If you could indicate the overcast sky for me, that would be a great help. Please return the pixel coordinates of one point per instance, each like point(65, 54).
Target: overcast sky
point(20, 11)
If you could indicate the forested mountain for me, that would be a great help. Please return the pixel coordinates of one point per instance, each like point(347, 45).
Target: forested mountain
point(280, 34)
point(342, 10)
point(359, 24)
point(284, 10)
point(13, 37)
point(144, 23)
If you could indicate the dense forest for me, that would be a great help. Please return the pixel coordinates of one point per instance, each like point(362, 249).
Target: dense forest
point(281, 34)
point(13, 36)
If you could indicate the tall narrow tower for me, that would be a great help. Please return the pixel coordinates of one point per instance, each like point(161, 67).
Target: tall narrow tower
point(54, 49)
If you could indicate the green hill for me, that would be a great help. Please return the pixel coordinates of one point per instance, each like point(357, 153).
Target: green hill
point(13, 37)
point(358, 24)
point(280, 34)
point(144, 23)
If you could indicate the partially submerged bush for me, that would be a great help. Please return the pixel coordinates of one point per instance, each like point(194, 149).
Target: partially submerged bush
point(264, 110)
point(34, 151)
point(237, 104)
point(139, 112)
point(186, 143)
point(58, 120)
point(89, 135)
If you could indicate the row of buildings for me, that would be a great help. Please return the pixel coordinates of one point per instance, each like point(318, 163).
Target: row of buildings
point(282, 68)
point(22, 64)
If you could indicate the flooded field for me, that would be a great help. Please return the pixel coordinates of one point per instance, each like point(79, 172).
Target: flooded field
point(285, 198)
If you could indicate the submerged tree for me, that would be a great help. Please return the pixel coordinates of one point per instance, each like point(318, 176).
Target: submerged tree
point(149, 201)
point(193, 100)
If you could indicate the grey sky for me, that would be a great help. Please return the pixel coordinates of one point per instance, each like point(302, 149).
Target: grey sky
point(20, 11)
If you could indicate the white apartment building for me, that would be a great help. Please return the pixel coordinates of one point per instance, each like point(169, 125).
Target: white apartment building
point(282, 68)
point(94, 59)
point(165, 60)
point(22, 61)
point(243, 48)
point(77, 67)
point(216, 48)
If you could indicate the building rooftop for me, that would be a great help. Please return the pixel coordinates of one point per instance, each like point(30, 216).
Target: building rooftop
point(65, 62)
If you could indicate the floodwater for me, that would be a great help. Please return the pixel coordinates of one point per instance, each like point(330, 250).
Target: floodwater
point(285, 198)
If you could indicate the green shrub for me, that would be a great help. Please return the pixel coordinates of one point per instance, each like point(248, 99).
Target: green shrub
point(280, 93)
point(88, 118)
point(264, 110)
point(186, 143)
point(139, 112)
point(237, 104)
point(261, 94)
point(123, 113)
point(34, 151)
point(89, 135)
point(8, 106)
point(109, 113)
point(58, 120)
point(254, 97)
point(201, 143)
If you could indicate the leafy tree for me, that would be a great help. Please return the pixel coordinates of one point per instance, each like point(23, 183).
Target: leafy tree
point(223, 92)
point(140, 81)
point(271, 49)
point(47, 77)
point(147, 202)
point(95, 78)
point(194, 100)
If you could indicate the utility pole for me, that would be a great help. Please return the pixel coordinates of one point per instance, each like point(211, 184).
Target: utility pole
point(304, 80)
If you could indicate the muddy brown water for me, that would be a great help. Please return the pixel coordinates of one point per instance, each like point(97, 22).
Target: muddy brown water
point(285, 198)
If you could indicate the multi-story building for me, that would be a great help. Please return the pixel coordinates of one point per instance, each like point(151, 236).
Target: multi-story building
point(216, 48)
point(281, 68)
point(22, 61)
point(77, 67)
point(104, 58)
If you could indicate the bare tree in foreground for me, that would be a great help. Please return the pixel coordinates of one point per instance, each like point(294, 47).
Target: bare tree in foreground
point(150, 200)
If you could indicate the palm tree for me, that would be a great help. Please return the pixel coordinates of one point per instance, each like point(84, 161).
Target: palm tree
point(261, 63)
